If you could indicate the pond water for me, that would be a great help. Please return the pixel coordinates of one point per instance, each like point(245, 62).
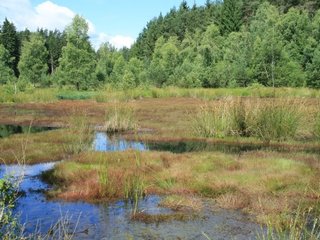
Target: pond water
point(112, 221)
point(7, 130)
point(104, 142)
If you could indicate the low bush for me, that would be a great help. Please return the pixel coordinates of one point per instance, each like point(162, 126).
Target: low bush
point(75, 95)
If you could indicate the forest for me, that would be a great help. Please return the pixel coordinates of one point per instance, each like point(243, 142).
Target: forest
point(225, 44)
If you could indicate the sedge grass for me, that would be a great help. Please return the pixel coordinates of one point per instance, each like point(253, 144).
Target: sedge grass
point(120, 118)
point(266, 120)
point(302, 225)
point(81, 134)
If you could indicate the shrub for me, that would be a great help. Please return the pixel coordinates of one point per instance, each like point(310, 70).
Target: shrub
point(9, 227)
point(74, 95)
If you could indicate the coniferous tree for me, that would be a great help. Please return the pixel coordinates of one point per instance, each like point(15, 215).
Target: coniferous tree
point(55, 41)
point(6, 73)
point(10, 40)
point(231, 16)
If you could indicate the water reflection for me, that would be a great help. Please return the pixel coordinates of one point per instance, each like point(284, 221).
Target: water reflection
point(112, 221)
point(115, 142)
point(105, 143)
point(7, 130)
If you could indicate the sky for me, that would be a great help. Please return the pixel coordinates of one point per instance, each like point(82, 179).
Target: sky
point(116, 21)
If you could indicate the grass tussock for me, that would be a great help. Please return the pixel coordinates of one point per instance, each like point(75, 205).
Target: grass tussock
point(120, 118)
point(268, 121)
point(182, 203)
point(265, 184)
point(302, 225)
point(80, 135)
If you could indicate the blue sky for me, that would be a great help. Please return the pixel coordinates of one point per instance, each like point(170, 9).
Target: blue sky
point(116, 21)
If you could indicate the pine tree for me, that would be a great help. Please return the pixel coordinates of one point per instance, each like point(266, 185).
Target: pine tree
point(55, 41)
point(10, 40)
point(231, 19)
point(6, 73)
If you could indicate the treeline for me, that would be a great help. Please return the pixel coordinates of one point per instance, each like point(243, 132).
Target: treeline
point(228, 43)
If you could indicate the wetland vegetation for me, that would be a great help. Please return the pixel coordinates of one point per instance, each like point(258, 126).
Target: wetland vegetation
point(203, 129)
point(270, 179)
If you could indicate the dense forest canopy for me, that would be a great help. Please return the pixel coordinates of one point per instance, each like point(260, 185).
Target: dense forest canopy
point(230, 43)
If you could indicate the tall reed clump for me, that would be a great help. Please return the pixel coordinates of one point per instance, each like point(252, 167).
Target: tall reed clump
point(107, 187)
point(120, 118)
point(134, 186)
point(211, 121)
point(81, 134)
point(134, 190)
point(226, 118)
point(277, 121)
point(302, 225)
point(269, 121)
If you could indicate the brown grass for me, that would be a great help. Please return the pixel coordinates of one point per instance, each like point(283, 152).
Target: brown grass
point(261, 183)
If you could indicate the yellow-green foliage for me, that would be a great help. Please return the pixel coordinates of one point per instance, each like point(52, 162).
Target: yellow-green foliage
point(81, 133)
point(110, 94)
point(278, 120)
point(274, 120)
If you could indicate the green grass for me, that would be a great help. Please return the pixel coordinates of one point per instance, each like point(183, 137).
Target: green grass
point(110, 94)
point(75, 95)
point(81, 134)
point(275, 120)
point(302, 225)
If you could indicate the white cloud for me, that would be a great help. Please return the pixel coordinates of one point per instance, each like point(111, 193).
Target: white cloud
point(117, 41)
point(45, 15)
point(51, 16)
point(121, 41)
